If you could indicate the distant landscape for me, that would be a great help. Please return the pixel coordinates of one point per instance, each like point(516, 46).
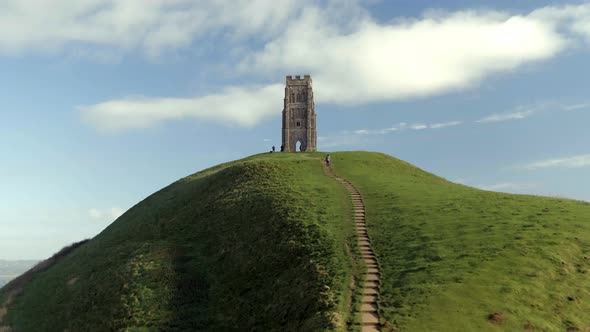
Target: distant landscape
point(11, 269)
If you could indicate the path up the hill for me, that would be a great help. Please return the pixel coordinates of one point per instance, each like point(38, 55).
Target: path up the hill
point(369, 310)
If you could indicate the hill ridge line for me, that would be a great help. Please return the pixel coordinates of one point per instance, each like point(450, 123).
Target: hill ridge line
point(369, 310)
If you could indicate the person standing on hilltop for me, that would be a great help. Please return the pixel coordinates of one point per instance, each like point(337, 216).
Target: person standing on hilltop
point(273, 148)
point(328, 160)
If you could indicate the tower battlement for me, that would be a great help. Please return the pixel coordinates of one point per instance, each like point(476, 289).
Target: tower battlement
point(305, 78)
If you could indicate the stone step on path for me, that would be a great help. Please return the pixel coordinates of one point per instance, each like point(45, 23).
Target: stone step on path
point(369, 308)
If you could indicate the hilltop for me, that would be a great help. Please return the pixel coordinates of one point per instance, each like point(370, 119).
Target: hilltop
point(268, 243)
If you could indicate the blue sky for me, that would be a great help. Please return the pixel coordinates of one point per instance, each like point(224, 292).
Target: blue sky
point(105, 102)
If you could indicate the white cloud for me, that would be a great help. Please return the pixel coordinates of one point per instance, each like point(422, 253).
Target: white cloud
point(403, 126)
point(410, 58)
point(108, 214)
point(523, 112)
point(579, 161)
point(445, 124)
point(506, 186)
point(374, 132)
point(574, 107)
point(418, 126)
point(233, 106)
point(330, 142)
point(152, 25)
point(353, 58)
point(573, 18)
point(506, 117)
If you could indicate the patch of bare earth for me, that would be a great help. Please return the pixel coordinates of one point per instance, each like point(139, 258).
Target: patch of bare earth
point(497, 318)
point(7, 302)
point(3, 312)
point(72, 281)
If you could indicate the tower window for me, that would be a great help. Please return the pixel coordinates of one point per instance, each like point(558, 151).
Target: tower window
point(298, 124)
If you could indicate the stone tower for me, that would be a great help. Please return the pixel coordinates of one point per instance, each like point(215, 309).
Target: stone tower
point(299, 115)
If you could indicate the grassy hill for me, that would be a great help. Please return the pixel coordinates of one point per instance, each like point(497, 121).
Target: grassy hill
point(257, 244)
point(455, 258)
point(267, 243)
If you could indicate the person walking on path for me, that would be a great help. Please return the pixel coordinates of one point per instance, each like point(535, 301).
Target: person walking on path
point(328, 160)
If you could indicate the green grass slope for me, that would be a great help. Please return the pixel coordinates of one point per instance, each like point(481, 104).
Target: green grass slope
point(258, 244)
point(267, 243)
point(455, 258)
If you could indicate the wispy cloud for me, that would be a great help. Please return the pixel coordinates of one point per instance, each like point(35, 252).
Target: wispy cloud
point(418, 126)
point(404, 126)
point(329, 142)
point(506, 186)
point(506, 117)
point(372, 131)
point(519, 113)
point(233, 106)
point(459, 180)
point(151, 26)
point(578, 161)
point(574, 107)
point(524, 112)
point(106, 214)
point(445, 124)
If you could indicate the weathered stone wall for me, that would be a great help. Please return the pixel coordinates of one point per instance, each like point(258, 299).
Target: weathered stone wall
point(299, 118)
